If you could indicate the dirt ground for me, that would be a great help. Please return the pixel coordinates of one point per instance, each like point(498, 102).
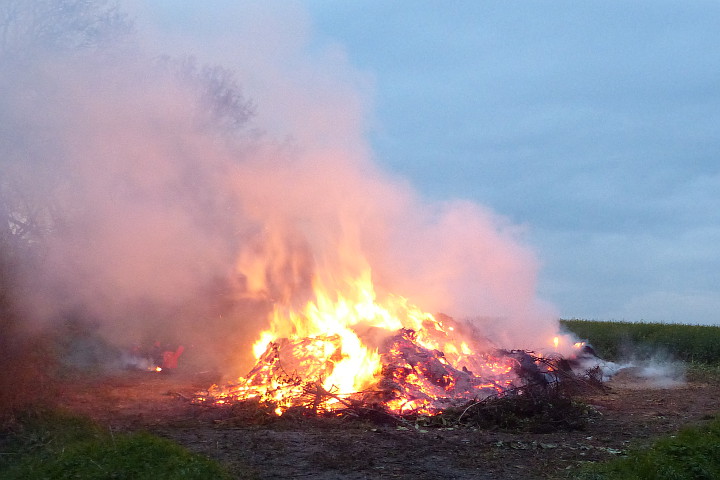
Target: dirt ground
point(628, 413)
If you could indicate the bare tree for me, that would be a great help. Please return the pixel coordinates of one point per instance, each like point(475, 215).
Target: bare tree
point(28, 26)
point(221, 103)
point(31, 30)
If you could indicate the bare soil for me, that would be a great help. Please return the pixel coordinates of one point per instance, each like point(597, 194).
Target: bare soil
point(629, 412)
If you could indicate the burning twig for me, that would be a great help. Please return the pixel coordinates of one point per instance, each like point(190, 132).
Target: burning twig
point(322, 395)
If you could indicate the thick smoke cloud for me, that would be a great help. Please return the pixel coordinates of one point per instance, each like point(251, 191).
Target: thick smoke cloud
point(140, 191)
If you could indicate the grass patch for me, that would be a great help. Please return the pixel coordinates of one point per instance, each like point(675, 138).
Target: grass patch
point(58, 445)
point(692, 454)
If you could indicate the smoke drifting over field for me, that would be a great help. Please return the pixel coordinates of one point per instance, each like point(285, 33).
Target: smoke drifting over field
point(142, 194)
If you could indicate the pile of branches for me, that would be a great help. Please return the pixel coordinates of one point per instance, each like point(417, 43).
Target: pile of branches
point(545, 402)
point(536, 409)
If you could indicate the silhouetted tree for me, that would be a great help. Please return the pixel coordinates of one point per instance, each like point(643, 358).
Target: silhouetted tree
point(32, 31)
point(222, 105)
point(29, 26)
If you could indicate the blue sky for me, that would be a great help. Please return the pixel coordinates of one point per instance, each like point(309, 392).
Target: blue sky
point(595, 125)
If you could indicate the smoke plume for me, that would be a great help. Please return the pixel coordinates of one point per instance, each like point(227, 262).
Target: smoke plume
point(163, 195)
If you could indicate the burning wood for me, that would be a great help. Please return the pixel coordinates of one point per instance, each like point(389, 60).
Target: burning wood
point(412, 378)
point(349, 350)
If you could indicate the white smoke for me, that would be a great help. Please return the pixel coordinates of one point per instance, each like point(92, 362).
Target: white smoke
point(169, 210)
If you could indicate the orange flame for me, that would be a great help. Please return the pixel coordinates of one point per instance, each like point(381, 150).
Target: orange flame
point(334, 341)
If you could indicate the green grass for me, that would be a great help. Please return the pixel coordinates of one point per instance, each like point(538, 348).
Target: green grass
point(692, 454)
point(58, 445)
point(702, 372)
point(698, 344)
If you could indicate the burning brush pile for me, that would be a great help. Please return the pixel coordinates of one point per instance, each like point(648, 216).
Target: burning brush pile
point(341, 354)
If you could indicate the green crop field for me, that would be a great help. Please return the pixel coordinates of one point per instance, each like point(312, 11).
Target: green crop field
point(697, 344)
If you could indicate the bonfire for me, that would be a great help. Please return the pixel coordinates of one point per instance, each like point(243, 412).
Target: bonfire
point(342, 351)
